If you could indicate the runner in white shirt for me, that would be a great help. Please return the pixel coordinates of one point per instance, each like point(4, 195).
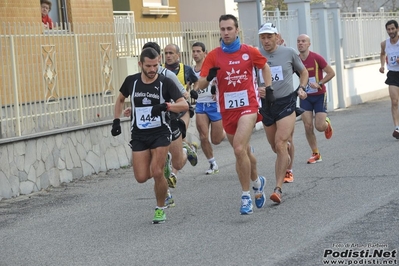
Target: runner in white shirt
point(390, 55)
point(206, 110)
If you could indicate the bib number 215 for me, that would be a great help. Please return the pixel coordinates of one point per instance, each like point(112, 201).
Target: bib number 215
point(236, 99)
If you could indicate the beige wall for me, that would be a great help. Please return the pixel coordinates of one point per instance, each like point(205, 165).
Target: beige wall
point(28, 11)
point(195, 11)
point(20, 10)
point(90, 11)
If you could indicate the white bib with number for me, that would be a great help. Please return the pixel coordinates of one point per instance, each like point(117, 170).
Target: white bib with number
point(235, 99)
point(309, 89)
point(392, 59)
point(144, 119)
point(392, 52)
point(277, 73)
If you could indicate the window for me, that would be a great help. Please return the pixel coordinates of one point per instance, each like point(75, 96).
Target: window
point(121, 5)
point(58, 13)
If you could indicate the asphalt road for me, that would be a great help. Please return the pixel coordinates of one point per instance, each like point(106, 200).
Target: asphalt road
point(343, 208)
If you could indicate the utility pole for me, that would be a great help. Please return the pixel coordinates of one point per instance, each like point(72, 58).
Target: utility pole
point(259, 12)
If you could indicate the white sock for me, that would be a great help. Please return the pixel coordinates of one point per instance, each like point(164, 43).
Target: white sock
point(256, 183)
point(246, 193)
point(211, 160)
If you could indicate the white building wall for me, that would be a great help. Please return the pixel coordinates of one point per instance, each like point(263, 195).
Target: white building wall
point(364, 83)
point(231, 7)
point(200, 11)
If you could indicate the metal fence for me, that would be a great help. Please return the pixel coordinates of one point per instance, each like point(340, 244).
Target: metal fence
point(131, 39)
point(362, 32)
point(53, 79)
point(286, 23)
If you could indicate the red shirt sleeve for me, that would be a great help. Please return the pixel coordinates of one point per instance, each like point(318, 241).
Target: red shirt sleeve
point(257, 58)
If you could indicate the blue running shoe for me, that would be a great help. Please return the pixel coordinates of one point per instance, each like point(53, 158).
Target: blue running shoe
point(260, 197)
point(169, 201)
point(246, 205)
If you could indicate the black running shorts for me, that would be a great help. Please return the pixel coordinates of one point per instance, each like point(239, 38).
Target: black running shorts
point(392, 78)
point(281, 108)
point(141, 142)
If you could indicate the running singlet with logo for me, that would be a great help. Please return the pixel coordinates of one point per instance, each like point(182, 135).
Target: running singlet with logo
point(143, 97)
point(392, 52)
point(235, 79)
point(315, 63)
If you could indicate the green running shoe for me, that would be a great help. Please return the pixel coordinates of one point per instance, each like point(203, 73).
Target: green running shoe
point(159, 216)
point(195, 146)
point(191, 153)
point(172, 180)
point(167, 170)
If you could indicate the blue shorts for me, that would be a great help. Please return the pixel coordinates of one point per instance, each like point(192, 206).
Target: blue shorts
point(210, 109)
point(316, 103)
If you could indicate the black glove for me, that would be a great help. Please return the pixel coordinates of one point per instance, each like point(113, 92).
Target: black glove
point(116, 127)
point(213, 89)
point(194, 94)
point(157, 109)
point(270, 99)
point(212, 73)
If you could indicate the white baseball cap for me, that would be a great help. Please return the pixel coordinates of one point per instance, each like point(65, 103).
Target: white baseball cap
point(268, 28)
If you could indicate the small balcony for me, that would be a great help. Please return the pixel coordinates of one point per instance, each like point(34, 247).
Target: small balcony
point(158, 11)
